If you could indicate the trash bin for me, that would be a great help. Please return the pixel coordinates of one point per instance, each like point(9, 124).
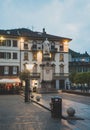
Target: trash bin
point(56, 107)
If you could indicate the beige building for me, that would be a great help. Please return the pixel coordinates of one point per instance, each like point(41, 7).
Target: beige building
point(48, 54)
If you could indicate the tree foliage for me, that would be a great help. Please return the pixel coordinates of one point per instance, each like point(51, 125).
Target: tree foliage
point(71, 77)
point(82, 77)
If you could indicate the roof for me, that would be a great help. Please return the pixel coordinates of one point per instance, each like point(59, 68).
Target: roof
point(76, 54)
point(32, 34)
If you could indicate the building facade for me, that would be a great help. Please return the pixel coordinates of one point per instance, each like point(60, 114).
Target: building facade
point(47, 53)
point(79, 62)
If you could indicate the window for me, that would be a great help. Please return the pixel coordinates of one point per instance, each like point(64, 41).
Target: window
point(34, 45)
point(7, 55)
point(61, 47)
point(6, 70)
point(14, 69)
point(25, 46)
point(34, 56)
point(14, 43)
point(61, 57)
point(8, 43)
point(61, 68)
point(52, 56)
point(52, 46)
point(14, 55)
point(25, 55)
point(3, 43)
point(1, 55)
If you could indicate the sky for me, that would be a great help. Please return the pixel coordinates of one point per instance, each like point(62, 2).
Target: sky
point(65, 18)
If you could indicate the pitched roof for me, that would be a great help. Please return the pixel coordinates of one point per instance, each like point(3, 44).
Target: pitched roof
point(32, 34)
point(76, 54)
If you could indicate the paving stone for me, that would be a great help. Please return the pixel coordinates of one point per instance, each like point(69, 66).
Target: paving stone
point(17, 115)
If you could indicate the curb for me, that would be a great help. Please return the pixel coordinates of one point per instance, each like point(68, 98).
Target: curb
point(40, 104)
point(76, 92)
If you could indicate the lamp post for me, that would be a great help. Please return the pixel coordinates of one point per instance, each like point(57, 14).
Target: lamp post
point(20, 46)
point(29, 68)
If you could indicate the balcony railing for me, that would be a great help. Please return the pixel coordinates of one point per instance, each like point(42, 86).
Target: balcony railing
point(59, 75)
point(46, 59)
point(34, 75)
point(53, 50)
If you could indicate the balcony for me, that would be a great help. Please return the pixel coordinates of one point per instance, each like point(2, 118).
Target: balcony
point(46, 59)
point(53, 50)
point(60, 75)
point(35, 75)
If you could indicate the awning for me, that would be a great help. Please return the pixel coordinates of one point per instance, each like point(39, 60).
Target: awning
point(16, 80)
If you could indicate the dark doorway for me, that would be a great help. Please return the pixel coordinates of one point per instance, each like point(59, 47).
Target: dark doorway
point(61, 84)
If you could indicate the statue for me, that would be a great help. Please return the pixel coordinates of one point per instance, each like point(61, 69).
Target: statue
point(46, 49)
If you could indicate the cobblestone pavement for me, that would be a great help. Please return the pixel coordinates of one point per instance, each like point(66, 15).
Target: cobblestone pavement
point(82, 111)
point(17, 115)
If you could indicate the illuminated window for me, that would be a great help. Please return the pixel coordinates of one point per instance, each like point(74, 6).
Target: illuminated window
point(34, 56)
point(61, 57)
point(25, 55)
point(52, 56)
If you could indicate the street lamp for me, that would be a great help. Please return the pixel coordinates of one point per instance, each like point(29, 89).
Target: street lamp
point(21, 46)
point(28, 68)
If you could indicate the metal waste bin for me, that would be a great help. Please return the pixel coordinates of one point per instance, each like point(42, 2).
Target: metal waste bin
point(56, 107)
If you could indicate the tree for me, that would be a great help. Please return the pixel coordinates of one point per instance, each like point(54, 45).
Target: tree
point(83, 77)
point(71, 77)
